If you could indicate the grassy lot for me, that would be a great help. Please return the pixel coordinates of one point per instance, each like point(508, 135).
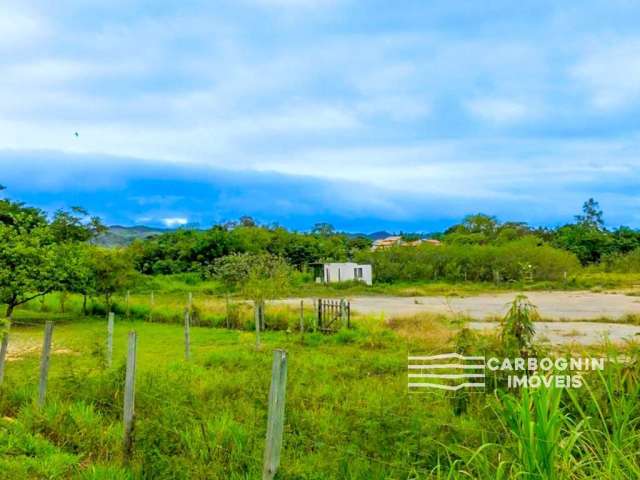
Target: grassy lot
point(588, 279)
point(207, 419)
point(348, 413)
point(170, 293)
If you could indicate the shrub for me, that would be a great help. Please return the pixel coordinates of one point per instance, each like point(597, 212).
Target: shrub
point(629, 263)
point(515, 261)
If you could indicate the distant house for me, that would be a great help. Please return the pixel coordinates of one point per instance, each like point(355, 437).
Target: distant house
point(431, 241)
point(342, 272)
point(386, 242)
point(397, 240)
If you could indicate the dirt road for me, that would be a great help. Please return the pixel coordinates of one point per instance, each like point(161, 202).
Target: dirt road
point(583, 333)
point(563, 308)
point(551, 305)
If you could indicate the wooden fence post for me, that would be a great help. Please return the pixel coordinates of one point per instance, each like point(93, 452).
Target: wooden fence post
point(190, 307)
point(256, 315)
point(44, 362)
point(343, 313)
point(275, 422)
point(302, 317)
point(187, 336)
point(110, 339)
point(227, 320)
point(4, 346)
point(318, 323)
point(263, 325)
point(129, 397)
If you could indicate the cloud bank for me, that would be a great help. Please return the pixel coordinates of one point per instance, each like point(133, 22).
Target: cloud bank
point(406, 115)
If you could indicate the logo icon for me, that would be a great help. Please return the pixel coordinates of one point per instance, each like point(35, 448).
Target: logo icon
point(447, 371)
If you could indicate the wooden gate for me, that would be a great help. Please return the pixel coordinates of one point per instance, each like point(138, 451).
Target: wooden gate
point(333, 314)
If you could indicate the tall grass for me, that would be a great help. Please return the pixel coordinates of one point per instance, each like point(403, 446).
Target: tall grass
point(348, 414)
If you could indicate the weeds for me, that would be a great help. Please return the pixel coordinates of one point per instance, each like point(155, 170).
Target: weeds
point(348, 414)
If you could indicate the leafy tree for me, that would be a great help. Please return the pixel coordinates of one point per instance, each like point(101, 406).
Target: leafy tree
point(38, 256)
point(187, 250)
point(591, 215)
point(247, 221)
point(587, 238)
point(111, 272)
point(259, 277)
point(75, 226)
point(31, 263)
point(624, 240)
point(81, 279)
point(478, 228)
point(588, 243)
point(323, 229)
point(481, 223)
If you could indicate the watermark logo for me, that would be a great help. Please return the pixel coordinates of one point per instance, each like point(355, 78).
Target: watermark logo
point(448, 371)
point(536, 372)
point(452, 371)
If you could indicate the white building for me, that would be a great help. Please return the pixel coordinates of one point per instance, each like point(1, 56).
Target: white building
point(343, 272)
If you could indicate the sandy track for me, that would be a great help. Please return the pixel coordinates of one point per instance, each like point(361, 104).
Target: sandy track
point(551, 305)
point(563, 307)
point(583, 333)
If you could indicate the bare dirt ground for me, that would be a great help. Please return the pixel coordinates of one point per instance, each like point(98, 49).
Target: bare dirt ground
point(562, 308)
point(551, 305)
point(19, 348)
point(583, 333)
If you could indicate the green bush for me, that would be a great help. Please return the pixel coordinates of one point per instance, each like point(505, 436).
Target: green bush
point(521, 260)
point(629, 263)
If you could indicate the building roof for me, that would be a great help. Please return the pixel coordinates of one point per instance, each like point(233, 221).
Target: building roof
point(397, 240)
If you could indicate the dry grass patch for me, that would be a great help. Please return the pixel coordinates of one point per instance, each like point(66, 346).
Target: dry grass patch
point(430, 329)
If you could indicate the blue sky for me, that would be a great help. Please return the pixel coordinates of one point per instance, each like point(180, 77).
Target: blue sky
point(371, 115)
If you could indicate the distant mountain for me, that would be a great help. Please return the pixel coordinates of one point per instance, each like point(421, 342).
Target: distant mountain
point(117, 235)
point(378, 235)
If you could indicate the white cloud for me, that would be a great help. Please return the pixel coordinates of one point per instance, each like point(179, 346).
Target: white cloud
point(20, 28)
point(173, 222)
point(292, 119)
point(325, 97)
point(610, 74)
point(499, 110)
point(56, 71)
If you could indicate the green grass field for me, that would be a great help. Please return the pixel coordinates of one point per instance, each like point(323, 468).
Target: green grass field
point(588, 279)
point(348, 413)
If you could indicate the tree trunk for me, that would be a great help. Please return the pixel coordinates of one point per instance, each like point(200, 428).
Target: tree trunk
point(9, 313)
point(84, 304)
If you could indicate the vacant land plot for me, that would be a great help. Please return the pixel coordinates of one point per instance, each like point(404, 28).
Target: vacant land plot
point(563, 308)
point(583, 333)
point(551, 305)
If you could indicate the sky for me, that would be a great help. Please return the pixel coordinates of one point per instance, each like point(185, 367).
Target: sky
point(371, 115)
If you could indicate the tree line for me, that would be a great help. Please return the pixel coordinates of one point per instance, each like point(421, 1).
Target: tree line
point(586, 237)
point(41, 254)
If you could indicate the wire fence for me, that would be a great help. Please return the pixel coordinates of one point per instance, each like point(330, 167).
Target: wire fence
point(500, 432)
